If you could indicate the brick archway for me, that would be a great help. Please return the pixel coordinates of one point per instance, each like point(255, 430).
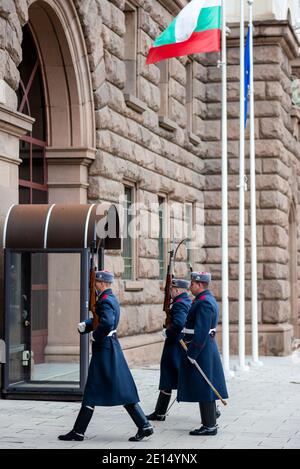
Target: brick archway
point(68, 98)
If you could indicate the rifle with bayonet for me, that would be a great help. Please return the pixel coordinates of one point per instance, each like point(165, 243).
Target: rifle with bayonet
point(92, 286)
point(169, 277)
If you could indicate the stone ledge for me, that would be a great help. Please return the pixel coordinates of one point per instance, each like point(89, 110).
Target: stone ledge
point(135, 103)
point(144, 349)
point(15, 123)
point(134, 341)
point(274, 339)
point(167, 124)
point(193, 138)
point(134, 285)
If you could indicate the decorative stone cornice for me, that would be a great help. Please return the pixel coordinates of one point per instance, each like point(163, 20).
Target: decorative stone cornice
point(15, 123)
point(174, 6)
point(269, 32)
point(69, 155)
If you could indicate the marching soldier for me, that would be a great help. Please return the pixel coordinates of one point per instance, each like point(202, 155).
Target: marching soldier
point(109, 381)
point(172, 351)
point(200, 337)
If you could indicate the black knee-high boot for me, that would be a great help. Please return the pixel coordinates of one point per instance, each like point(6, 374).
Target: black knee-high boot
point(140, 419)
point(80, 425)
point(161, 407)
point(208, 417)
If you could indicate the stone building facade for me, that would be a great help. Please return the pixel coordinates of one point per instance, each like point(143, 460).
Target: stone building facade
point(114, 126)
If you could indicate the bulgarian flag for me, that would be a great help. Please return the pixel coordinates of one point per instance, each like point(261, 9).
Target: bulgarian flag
point(196, 29)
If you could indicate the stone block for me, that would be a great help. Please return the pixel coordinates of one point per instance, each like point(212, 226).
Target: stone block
point(148, 25)
point(148, 268)
point(148, 248)
point(177, 112)
point(149, 72)
point(274, 90)
point(6, 8)
point(101, 188)
point(177, 71)
point(150, 94)
point(275, 289)
point(176, 91)
point(272, 217)
point(275, 236)
point(272, 128)
point(272, 254)
point(277, 168)
point(274, 199)
point(115, 69)
point(112, 42)
point(276, 271)
point(112, 17)
point(213, 92)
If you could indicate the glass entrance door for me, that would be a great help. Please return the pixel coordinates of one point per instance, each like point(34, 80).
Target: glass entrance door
point(18, 330)
point(45, 299)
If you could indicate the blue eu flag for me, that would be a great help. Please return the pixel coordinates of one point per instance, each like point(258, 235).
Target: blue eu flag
point(247, 74)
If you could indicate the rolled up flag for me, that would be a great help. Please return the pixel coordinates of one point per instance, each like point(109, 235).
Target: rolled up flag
point(196, 29)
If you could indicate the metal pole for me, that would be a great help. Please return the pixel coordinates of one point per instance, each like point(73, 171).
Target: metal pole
point(225, 303)
point(255, 359)
point(242, 365)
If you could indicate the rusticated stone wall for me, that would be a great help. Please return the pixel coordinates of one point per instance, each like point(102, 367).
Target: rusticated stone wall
point(277, 182)
point(134, 147)
point(164, 157)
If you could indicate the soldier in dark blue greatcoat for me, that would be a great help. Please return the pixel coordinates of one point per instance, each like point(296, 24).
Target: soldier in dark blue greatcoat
point(109, 381)
point(200, 337)
point(172, 350)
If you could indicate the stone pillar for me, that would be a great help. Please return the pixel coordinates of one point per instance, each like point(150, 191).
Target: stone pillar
point(68, 174)
point(277, 172)
point(12, 126)
point(67, 182)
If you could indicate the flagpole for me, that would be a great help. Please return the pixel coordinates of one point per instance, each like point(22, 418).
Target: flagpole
point(242, 188)
point(225, 288)
point(254, 318)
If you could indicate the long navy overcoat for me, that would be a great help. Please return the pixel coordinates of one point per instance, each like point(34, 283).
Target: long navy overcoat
point(109, 381)
point(202, 317)
point(170, 360)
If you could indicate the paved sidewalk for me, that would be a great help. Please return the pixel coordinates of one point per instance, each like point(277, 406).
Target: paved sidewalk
point(263, 412)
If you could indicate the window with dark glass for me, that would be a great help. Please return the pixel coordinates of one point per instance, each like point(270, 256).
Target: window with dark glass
point(130, 49)
point(189, 232)
point(128, 246)
point(189, 95)
point(161, 237)
point(33, 171)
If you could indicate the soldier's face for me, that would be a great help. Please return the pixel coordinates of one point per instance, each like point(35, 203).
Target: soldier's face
point(195, 288)
point(173, 292)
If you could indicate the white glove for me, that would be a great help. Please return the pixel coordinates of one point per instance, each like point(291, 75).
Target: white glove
point(163, 333)
point(81, 326)
point(192, 360)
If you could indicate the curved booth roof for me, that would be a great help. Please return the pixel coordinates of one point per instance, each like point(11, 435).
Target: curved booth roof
point(56, 226)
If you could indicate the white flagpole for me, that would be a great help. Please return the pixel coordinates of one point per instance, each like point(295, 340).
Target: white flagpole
point(242, 188)
point(255, 359)
point(225, 290)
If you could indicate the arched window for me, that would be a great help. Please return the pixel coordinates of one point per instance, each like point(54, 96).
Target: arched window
point(33, 170)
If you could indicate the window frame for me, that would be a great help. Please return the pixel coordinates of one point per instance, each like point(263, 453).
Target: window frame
point(133, 189)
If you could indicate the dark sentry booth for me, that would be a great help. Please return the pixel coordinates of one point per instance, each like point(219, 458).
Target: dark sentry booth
point(49, 251)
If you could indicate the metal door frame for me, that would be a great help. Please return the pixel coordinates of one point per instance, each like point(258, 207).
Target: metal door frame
point(48, 393)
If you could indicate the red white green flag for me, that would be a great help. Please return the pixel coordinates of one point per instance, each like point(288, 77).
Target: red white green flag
point(196, 29)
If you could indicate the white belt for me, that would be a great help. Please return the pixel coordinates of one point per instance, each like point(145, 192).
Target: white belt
point(111, 333)
point(192, 331)
point(188, 331)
